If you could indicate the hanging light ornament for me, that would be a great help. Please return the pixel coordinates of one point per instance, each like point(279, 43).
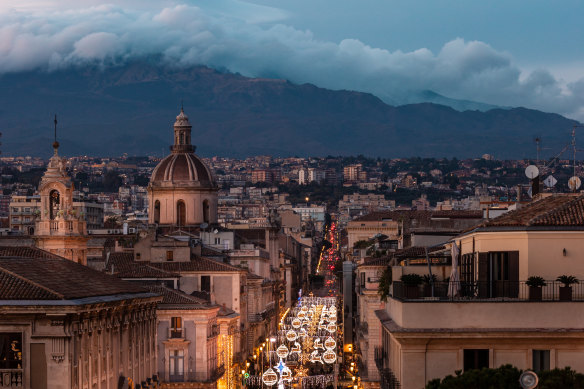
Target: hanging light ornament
point(282, 351)
point(304, 308)
point(329, 356)
point(331, 328)
point(291, 335)
point(269, 377)
point(296, 323)
point(296, 348)
point(330, 343)
point(318, 344)
point(286, 374)
point(301, 315)
point(314, 357)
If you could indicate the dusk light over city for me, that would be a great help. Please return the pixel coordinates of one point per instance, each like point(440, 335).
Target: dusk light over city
point(277, 194)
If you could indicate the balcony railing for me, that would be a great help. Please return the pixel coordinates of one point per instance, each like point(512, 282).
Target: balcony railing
point(177, 333)
point(11, 378)
point(489, 291)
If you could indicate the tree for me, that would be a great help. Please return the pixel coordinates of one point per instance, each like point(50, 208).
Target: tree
point(385, 280)
point(507, 377)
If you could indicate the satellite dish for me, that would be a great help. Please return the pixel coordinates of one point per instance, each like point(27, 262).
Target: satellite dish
point(531, 172)
point(215, 231)
point(550, 181)
point(204, 225)
point(574, 183)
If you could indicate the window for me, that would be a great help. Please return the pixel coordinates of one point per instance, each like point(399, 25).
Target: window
point(206, 284)
point(138, 255)
point(169, 255)
point(476, 359)
point(541, 360)
point(362, 279)
point(176, 361)
point(217, 240)
point(176, 327)
point(11, 352)
point(27, 210)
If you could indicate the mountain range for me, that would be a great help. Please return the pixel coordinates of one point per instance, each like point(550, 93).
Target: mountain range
point(130, 109)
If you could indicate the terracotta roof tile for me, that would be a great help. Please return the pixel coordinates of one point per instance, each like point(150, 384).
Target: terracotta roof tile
point(25, 252)
point(557, 211)
point(59, 278)
point(176, 297)
point(196, 264)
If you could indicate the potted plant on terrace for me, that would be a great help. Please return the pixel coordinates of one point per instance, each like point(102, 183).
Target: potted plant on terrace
point(566, 290)
point(412, 284)
point(535, 284)
point(428, 281)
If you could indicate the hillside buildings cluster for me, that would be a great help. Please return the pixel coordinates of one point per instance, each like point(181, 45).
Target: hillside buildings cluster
point(174, 272)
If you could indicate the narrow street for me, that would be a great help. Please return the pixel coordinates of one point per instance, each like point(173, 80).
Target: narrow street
point(307, 350)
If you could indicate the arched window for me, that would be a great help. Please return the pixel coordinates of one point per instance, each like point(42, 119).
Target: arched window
point(157, 212)
point(181, 213)
point(182, 138)
point(54, 203)
point(206, 211)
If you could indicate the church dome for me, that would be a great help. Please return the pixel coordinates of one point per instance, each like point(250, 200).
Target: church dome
point(182, 169)
point(182, 190)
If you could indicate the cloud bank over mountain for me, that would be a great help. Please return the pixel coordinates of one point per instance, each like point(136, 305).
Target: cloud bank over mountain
point(256, 41)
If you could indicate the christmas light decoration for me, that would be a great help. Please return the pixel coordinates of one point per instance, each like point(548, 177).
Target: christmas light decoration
point(282, 351)
point(329, 356)
point(291, 335)
point(269, 377)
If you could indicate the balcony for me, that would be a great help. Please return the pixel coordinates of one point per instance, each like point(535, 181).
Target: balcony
point(11, 378)
point(508, 291)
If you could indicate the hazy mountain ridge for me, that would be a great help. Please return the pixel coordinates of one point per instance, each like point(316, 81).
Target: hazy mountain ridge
point(131, 109)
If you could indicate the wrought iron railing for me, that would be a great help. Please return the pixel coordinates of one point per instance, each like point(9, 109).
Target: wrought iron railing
point(488, 291)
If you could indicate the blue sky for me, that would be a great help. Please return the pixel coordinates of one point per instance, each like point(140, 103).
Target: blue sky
point(509, 53)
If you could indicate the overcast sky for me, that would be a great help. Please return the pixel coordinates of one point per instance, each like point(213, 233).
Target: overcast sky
point(513, 53)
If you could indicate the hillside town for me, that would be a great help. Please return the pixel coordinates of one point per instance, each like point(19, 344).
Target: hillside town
point(184, 272)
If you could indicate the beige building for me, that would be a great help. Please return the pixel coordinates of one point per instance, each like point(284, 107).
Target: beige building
point(495, 317)
point(65, 326)
point(182, 190)
point(23, 211)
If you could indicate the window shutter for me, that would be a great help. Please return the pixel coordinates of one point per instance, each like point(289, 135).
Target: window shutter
point(513, 273)
point(483, 287)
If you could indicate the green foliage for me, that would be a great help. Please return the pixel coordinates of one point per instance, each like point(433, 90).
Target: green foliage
point(362, 244)
point(504, 377)
point(535, 281)
point(427, 278)
point(411, 279)
point(567, 280)
point(560, 378)
point(385, 279)
point(507, 377)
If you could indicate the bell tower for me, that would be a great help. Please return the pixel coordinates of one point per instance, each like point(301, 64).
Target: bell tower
point(59, 229)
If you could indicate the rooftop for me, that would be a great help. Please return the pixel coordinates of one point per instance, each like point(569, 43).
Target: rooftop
point(23, 278)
